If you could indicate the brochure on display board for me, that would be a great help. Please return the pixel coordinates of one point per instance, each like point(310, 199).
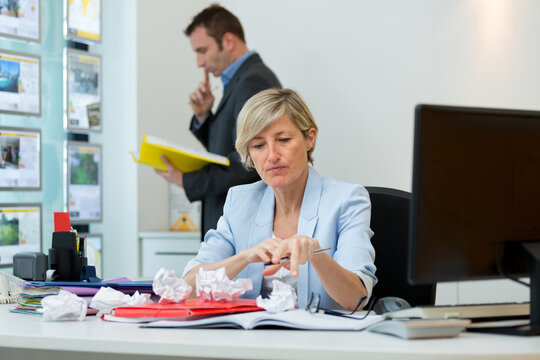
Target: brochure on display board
point(20, 230)
point(83, 20)
point(83, 178)
point(20, 19)
point(20, 159)
point(20, 83)
point(82, 84)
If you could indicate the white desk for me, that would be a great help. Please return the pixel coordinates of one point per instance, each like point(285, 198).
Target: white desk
point(27, 337)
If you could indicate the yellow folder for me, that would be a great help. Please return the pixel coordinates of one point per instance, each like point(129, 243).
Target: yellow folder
point(182, 157)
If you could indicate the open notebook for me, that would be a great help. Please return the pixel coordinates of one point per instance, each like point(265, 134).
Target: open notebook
point(295, 319)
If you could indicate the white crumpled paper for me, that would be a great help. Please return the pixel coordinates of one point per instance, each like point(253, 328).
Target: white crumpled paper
point(169, 287)
point(64, 306)
point(282, 298)
point(107, 299)
point(214, 285)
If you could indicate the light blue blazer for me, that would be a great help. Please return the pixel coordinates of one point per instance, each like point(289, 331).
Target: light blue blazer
point(334, 212)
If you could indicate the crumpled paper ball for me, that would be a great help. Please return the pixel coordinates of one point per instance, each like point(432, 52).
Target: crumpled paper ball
point(214, 285)
point(64, 306)
point(282, 298)
point(169, 287)
point(108, 298)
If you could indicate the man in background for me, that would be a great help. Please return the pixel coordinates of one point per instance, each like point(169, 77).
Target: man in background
point(217, 38)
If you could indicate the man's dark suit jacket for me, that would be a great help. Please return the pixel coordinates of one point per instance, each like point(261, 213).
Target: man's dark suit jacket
point(218, 134)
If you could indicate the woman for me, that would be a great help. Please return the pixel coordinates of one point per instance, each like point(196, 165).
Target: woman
point(291, 212)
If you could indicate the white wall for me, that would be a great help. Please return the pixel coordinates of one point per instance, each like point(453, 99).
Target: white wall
point(167, 73)
point(362, 66)
point(119, 226)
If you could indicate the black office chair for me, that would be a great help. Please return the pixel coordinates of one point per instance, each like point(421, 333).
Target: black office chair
point(390, 223)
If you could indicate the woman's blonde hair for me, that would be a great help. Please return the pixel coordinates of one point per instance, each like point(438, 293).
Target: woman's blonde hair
point(263, 109)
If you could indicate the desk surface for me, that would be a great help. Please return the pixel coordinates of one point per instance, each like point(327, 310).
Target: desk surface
point(25, 335)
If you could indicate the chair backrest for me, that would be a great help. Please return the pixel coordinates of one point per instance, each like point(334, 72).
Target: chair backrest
point(390, 210)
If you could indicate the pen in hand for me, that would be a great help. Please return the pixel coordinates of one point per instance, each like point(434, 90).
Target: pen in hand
point(286, 258)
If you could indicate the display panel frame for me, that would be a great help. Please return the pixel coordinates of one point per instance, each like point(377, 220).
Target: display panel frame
point(7, 129)
point(91, 248)
point(8, 54)
point(26, 38)
point(70, 96)
point(77, 34)
point(17, 208)
point(69, 201)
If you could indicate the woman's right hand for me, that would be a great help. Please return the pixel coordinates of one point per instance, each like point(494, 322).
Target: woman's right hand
point(262, 252)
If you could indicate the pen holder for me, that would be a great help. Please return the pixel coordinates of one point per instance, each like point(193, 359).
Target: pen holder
point(65, 258)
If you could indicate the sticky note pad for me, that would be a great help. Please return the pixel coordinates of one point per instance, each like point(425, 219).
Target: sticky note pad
point(61, 221)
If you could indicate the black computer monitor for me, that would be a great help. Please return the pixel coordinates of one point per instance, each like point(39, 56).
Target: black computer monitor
point(475, 209)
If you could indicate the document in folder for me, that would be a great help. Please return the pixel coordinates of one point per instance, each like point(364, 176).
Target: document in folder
point(191, 308)
point(182, 157)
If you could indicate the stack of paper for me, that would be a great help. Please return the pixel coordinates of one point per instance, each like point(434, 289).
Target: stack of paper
point(30, 297)
point(32, 292)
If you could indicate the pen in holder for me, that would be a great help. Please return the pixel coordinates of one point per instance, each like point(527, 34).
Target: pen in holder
point(67, 257)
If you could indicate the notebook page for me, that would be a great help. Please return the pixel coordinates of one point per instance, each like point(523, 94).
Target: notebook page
point(295, 319)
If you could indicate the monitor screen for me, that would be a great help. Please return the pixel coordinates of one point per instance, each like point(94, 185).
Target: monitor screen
point(20, 158)
point(83, 179)
point(82, 102)
point(20, 230)
point(20, 19)
point(83, 20)
point(476, 189)
point(20, 83)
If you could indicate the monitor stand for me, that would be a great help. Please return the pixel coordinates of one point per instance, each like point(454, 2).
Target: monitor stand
point(531, 252)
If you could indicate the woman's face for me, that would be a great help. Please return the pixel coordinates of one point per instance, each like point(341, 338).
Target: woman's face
point(279, 152)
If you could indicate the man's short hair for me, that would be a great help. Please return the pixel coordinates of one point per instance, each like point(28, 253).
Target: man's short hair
point(217, 21)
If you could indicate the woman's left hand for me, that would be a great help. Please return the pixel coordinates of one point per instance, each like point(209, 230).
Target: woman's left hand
point(298, 248)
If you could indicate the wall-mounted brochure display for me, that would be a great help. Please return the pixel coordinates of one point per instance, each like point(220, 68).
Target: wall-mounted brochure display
point(20, 19)
point(20, 230)
point(20, 159)
point(83, 193)
point(20, 83)
point(83, 20)
point(82, 84)
point(93, 251)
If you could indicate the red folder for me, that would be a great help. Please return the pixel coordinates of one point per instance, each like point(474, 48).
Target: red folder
point(191, 308)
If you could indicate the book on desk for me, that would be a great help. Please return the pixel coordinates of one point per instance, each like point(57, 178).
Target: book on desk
point(475, 312)
point(293, 319)
point(181, 157)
